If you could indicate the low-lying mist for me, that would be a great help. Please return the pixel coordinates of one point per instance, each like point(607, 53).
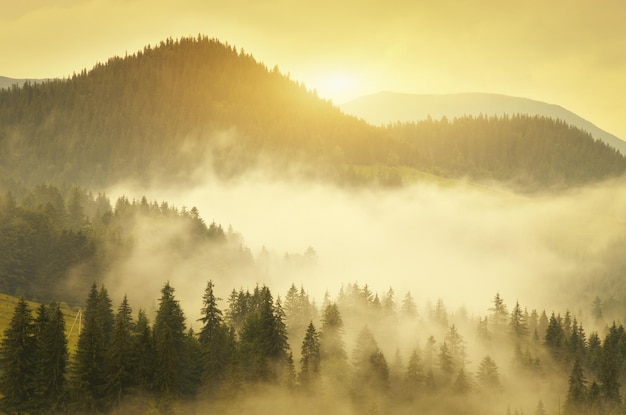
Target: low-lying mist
point(453, 246)
point(462, 243)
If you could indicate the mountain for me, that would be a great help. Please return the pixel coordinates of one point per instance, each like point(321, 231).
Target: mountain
point(389, 107)
point(174, 113)
point(6, 83)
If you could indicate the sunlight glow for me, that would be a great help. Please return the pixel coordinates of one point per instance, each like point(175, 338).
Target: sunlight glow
point(338, 87)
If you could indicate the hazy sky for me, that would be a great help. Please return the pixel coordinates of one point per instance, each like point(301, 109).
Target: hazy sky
point(572, 53)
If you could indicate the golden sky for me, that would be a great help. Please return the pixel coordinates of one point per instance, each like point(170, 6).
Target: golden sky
point(571, 53)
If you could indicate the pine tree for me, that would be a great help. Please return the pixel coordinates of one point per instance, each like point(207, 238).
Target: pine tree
point(555, 336)
point(456, 347)
point(121, 357)
point(169, 341)
point(414, 371)
point(446, 362)
point(518, 323)
point(487, 374)
point(213, 338)
point(311, 357)
point(462, 384)
point(331, 337)
point(89, 362)
point(371, 369)
point(499, 314)
point(409, 308)
point(576, 400)
point(52, 356)
point(611, 364)
point(144, 347)
point(18, 361)
point(264, 346)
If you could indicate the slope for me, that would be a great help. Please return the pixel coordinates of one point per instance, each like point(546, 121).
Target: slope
point(389, 107)
point(174, 113)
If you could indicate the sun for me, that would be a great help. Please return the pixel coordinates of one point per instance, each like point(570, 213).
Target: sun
point(337, 87)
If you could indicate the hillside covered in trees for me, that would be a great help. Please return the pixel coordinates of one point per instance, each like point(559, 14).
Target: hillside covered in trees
point(55, 243)
point(360, 353)
point(191, 107)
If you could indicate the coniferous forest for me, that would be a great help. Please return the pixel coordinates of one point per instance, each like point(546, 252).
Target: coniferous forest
point(358, 352)
point(123, 304)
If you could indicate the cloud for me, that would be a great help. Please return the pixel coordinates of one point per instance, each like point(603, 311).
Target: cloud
point(462, 243)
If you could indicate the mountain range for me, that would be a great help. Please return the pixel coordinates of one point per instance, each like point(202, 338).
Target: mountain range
point(186, 108)
point(389, 107)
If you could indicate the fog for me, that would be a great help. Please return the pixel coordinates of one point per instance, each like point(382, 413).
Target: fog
point(460, 242)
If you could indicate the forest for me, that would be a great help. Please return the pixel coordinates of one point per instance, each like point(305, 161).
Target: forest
point(186, 108)
point(55, 242)
point(529, 201)
point(359, 352)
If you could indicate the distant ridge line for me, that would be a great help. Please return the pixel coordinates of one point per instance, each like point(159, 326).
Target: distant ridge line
point(388, 107)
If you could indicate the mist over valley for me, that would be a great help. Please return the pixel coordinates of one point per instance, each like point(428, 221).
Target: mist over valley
point(287, 255)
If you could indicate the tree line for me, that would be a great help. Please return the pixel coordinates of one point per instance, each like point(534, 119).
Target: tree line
point(125, 362)
point(48, 232)
point(163, 112)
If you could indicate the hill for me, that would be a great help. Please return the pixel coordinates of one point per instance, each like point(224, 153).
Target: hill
point(388, 107)
point(173, 113)
point(7, 83)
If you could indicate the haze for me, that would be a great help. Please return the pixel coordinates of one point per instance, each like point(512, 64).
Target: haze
point(462, 243)
point(570, 54)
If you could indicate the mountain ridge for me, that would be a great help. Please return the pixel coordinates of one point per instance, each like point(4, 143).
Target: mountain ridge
point(186, 109)
point(388, 107)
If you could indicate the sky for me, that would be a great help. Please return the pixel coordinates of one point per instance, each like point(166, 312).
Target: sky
point(571, 53)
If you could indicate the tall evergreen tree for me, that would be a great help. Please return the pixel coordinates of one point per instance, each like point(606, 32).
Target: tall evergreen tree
point(89, 362)
point(52, 357)
point(145, 366)
point(213, 338)
point(121, 356)
point(18, 361)
point(576, 400)
point(487, 374)
point(414, 371)
point(311, 357)
point(169, 342)
point(331, 337)
point(611, 364)
point(499, 314)
point(370, 366)
point(555, 336)
point(518, 323)
point(409, 308)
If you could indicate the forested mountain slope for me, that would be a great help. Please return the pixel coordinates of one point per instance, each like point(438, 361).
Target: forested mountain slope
point(176, 112)
point(54, 243)
point(388, 107)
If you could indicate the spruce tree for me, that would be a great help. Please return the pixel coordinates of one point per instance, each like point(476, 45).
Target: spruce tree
point(370, 366)
point(311, 357)
point(52, 356)
point(576, 400)
point(89, 362)
point(499, 314)
point(409, 308)
point(611, 364)
point(414, 371)
point(169, 342)
point(331, 337)
point(145, 365)
point(518, 323)
point(18, 361)
point(213, 338)
point(487, 374)
point(121, 356)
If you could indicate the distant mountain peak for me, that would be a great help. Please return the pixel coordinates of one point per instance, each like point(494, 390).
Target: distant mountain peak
point(389, 107)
